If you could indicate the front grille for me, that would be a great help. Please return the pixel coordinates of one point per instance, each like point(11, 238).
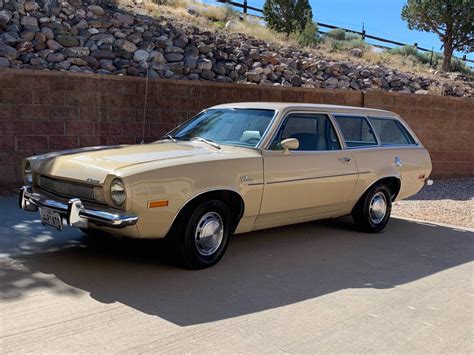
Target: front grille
point(66, 188)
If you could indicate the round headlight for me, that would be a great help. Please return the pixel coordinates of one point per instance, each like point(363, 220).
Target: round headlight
point(28, 175)
point(117, 192)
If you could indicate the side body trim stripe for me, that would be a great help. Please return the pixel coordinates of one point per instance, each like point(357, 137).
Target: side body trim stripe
point(316, 177)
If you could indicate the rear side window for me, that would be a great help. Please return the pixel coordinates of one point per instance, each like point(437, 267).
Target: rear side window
point(356, 131)
point(391, 131)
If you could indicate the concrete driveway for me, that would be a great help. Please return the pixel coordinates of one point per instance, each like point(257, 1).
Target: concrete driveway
point(314, 287)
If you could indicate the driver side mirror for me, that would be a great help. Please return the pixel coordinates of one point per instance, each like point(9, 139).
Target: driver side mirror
point(290, 144)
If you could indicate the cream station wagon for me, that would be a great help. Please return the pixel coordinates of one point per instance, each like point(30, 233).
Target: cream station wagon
point(234, 168)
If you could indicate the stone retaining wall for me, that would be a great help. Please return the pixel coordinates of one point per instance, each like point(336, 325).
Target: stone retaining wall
point(46, 111)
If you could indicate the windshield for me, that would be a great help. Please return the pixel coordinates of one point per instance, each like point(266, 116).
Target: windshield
point(244, 127)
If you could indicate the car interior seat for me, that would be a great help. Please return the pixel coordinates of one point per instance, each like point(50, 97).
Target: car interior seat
point(308, 141)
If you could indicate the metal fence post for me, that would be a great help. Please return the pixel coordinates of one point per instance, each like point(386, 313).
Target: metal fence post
point(245, 6)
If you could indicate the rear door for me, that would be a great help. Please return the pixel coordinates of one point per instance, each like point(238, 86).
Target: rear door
point(314, 180)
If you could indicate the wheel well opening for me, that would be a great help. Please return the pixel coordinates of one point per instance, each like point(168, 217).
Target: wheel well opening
point(393, 185)
point(232, 199)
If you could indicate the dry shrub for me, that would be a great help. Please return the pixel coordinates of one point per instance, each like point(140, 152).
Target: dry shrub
point(252, 26)
point(436, 90)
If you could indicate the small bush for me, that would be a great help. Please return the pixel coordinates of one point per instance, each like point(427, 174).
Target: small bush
point(415, 55)
point(405, 50)
point(339, 40)
point(309, 35)
point(336, 45)
point(219, 24)
point(337, 34)
point(457, 65)
point(355, 43)
point(352, 36)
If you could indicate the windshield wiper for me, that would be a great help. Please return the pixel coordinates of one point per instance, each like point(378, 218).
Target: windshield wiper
point(207, 141)
point(169, 136)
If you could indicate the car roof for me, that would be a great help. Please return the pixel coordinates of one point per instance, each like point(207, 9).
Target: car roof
point(283, 106)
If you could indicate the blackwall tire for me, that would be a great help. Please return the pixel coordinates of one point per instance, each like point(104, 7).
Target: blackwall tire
point(203, 235)
point(372, 212)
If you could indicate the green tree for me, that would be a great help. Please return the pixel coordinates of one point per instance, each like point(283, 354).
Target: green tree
point(287, 16)
point(451, 20)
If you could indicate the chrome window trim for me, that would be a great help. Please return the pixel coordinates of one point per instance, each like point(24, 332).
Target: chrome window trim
point(269, 152)
point(299, 111)
point(365, 147)
point(264, 135)
point(404, 125)
point(349, 115)
point(390, 147)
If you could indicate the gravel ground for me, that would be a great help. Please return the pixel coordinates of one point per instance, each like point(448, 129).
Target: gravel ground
point(446, 201)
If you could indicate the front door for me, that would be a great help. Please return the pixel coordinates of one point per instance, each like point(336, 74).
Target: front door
point(316, 180)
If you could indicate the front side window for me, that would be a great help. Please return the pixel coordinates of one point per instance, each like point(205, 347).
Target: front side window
point(356, 131)
point(391, 132)
point(313, 131)
point(243, 127)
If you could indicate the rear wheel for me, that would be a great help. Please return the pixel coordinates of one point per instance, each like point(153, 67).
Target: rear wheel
point(372, 212)
point(202, 235)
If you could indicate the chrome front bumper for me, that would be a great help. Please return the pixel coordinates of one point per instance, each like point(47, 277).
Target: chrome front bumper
point(74, 212)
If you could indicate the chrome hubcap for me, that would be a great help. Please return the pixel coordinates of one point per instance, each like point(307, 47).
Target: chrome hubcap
point(209, 233)
point(378, 207)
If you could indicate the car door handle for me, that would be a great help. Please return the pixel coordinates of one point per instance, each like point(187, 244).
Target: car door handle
point(344, 160)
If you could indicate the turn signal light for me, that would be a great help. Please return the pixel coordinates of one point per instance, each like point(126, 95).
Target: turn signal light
point(158, 203)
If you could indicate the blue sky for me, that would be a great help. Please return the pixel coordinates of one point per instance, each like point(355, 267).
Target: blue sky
point(380, 17)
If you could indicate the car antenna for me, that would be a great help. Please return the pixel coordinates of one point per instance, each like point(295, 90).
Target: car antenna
point(146, 90)
point(100, 110)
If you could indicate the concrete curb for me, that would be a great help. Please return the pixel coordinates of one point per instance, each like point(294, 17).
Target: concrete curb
point(461, 228)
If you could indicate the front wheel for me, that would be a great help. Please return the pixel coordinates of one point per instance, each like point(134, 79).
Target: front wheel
point(372, 212)
point(203, 235)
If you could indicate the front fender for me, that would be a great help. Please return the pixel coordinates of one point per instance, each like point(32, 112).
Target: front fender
point(179, 184)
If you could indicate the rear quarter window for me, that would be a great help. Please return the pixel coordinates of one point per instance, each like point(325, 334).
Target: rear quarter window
point(356, 131)
point(391, 132)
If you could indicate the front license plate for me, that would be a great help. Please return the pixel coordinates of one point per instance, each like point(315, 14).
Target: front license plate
point(51, 218)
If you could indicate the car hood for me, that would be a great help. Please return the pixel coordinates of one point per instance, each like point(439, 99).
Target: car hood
point(95, 163)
